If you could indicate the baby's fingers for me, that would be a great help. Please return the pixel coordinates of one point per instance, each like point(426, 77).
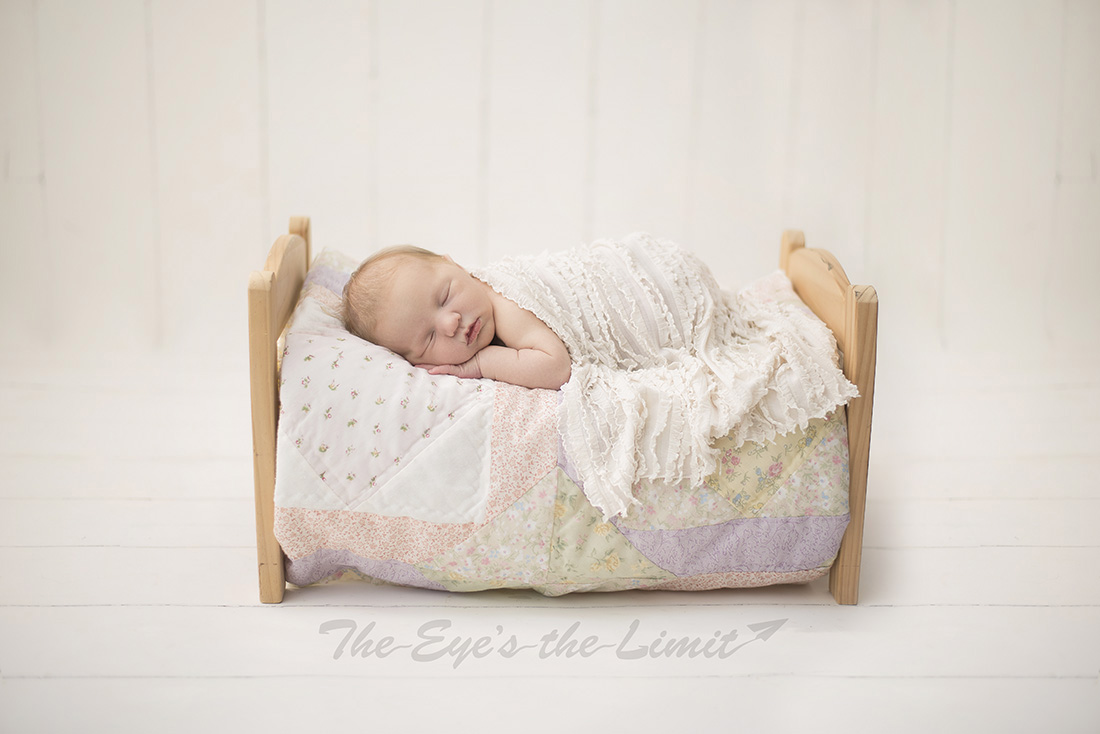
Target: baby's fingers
point(457, 370)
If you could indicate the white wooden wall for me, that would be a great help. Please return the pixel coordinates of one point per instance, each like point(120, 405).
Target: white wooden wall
point(947, 151)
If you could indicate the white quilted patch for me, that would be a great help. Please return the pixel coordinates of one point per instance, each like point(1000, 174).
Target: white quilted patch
point(362, 429)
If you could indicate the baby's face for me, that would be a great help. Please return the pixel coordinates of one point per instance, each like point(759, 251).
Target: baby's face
point(436, 313)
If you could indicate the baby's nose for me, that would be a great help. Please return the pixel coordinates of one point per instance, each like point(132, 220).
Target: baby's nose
point(451, 321)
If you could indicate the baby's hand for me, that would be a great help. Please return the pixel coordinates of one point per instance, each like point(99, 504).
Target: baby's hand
point(470, 369)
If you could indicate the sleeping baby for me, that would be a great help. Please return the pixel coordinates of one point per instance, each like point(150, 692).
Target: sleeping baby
point(432, 312)
point(653, 359)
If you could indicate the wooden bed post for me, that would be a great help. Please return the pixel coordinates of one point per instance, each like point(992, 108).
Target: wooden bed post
point(263, 368)
point(301, 227)
point(851, 313)
point(793, 239)
point(861, 309)
point(272, 295)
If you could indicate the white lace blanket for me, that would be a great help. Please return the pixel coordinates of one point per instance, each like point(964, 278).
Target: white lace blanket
point(664, 362)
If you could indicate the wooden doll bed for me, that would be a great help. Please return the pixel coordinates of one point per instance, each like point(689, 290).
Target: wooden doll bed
point(850, 311)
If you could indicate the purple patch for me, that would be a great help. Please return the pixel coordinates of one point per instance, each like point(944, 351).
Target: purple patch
point(322, 563)
point(752, 544)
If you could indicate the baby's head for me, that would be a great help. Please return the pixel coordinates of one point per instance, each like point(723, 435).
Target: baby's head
point(369, 287)
point(420, 305)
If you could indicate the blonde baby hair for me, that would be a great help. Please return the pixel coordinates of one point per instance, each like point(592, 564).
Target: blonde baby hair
point(366, 290)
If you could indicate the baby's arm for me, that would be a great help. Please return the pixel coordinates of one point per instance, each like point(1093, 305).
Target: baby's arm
point(534, 356)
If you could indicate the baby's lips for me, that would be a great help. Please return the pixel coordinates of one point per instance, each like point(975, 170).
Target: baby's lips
point(473, 331)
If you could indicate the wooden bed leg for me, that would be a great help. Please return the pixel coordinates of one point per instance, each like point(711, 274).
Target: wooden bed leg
point(264, 396)
point(859, 366)
point(272, 295)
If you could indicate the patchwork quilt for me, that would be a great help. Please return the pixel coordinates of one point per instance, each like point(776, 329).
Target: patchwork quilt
point(433, 481)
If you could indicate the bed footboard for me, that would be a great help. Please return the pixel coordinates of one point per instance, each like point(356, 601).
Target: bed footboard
point(851, 312)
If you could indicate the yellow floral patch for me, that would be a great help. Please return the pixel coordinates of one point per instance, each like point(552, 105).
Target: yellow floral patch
point(510, 552)
point(747, 481)
point(748, 476)
point(586, 550)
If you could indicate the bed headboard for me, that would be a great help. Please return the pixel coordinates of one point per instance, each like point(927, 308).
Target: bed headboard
point(272, 294)
point(851, 312)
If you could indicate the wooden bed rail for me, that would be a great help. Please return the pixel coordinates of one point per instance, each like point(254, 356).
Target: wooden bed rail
point(272, 295)
point(851, 312)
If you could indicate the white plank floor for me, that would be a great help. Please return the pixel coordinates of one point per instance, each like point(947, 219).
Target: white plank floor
point(128, 594)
